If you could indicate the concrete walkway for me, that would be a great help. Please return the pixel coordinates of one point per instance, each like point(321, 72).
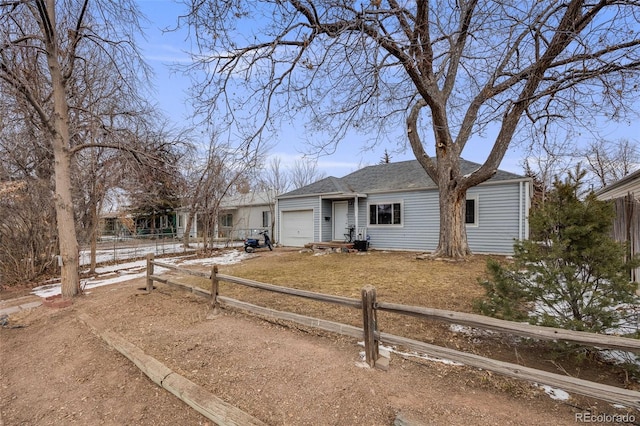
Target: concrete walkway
point(12, 306)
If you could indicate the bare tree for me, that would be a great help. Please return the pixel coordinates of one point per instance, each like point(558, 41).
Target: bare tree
point(444, 70)
point(549, 158)
point(610, 161)
point(92, 177)
point(27, 237)
point(304, 172)
point(28, 241)
point(275, 177)
point(274, 180)
point(48, 51)
point(209, 180)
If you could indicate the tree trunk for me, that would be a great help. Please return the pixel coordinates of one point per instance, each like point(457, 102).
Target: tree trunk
point(452, 242)
point(452, 188)
point(64, 214)
point(186, 237)
point(94, 236)
point(67, 237)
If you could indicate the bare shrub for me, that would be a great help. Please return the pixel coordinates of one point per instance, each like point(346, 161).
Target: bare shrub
point(28, 243)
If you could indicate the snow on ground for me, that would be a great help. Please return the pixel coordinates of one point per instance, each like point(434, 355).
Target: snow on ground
point(554, 393)
point(392, 349)
point(137, 269)
point(136, 249)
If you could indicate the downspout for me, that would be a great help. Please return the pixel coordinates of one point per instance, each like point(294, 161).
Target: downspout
point(355, 212)
point(520, 207)
point(319, 220)
point(527, 205)
point(275, 231)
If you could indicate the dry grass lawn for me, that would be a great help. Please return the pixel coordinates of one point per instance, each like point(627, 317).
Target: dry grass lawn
point(397, 276)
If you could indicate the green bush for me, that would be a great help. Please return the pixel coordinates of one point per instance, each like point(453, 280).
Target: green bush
point(575, 278)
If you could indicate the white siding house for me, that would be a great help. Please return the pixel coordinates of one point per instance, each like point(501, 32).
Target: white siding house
point(239, 216)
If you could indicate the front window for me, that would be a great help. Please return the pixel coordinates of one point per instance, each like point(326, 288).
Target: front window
point(226, 220)
point(385, 214)
point(265, 219)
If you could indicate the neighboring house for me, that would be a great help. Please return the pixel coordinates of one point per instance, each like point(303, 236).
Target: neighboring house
point(395, 206)
point(239, 216)
point(126, 224)
point(625, 194)
point(118, 220)
point(117, 225)
point(244, 215)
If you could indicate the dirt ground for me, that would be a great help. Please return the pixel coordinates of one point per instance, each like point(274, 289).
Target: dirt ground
point(55, 371)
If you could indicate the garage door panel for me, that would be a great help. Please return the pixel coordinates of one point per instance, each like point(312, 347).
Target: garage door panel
point(297, 227)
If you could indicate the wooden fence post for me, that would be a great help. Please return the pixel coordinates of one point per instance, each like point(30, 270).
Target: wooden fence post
point(369, 324)
point(150, 258)
point(215, 309)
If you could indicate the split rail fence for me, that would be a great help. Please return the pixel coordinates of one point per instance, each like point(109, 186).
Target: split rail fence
point(372, 336)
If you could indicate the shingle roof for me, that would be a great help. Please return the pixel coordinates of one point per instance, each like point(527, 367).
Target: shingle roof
point(248, 199)
point(386, 177)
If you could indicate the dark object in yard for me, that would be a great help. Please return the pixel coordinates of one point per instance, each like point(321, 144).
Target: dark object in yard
point(360, 245)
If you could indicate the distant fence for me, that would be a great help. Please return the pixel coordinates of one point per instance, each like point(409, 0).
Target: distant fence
point(372, 336)
point(113, 249)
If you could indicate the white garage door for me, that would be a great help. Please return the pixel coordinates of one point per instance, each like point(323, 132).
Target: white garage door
point(297, 228)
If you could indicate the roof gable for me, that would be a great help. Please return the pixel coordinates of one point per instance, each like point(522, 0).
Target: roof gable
point(403, 175)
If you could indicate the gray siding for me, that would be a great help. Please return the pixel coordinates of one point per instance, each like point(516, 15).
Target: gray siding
point(501, 218)
point(419, 230)
point(498, 224)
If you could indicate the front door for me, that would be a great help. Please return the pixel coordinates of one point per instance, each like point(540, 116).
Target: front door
point(340, 219)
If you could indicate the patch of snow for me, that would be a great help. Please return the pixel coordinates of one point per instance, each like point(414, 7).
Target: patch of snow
point(392, 349)
point(141, 249)
point(121, 266)
point(227, 258)
point(619, 357)
point(133, 270)
point(554, 393)
point(470, 331)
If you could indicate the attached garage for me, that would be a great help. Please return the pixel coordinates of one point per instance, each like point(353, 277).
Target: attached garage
point(296, 228)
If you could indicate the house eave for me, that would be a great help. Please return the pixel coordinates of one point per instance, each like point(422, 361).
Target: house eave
point(323, 195)
point(626, 185)
point(344, 195)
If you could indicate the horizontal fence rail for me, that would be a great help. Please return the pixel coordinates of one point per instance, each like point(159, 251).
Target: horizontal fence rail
point(320, 297)
point(372, 337)
point(612, 394)
point(183, 270)
point(509, 327)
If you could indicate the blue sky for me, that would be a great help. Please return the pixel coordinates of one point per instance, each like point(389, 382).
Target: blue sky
point(161, 49)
